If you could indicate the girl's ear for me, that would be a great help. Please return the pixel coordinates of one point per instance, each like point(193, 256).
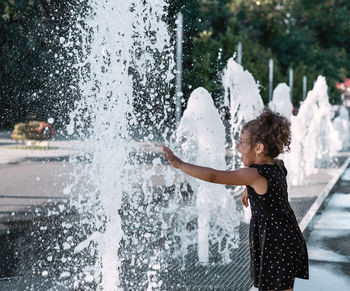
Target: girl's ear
point(259, 148)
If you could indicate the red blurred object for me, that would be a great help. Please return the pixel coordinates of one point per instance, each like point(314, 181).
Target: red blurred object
point(295, 111)
point(34, 130)
point(45, 128)
point(344, 87)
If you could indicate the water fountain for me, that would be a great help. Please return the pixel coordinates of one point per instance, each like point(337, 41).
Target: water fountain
point(132, 217)
point(245, 103)
point(201, 136)
point(342, 129)
point(281, 100)
point(243, 98)
point(312, 135)
point(126, 60)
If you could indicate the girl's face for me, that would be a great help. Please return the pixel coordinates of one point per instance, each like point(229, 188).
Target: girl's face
point(248, 153)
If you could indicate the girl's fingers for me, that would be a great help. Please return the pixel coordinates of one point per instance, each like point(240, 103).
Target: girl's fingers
point(244, 198)
point(166, 151)
point(246, 202)
point(169, 156)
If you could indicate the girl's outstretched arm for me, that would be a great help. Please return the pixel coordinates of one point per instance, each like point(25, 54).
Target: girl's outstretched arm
point(243, 176)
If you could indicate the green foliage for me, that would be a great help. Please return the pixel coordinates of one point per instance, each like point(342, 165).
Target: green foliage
point(203, 70)
point(312, 37)
point(35, 77)
point(204, 22)
point(312, 34)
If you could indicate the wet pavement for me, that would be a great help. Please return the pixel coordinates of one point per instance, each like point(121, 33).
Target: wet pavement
point(328, 240)
point(329, 243)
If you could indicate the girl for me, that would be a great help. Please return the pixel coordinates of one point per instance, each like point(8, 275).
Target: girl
point(277, 246)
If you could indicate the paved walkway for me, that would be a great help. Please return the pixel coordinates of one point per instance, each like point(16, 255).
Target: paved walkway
point(328, 243)
point(27, 182)
point(9, 154)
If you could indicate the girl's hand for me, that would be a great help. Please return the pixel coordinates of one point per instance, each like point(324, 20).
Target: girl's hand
point(173, 160)
point(244, 198)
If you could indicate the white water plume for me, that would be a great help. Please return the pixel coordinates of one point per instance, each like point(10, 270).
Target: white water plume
point(201, 136)
point(243, 97)
point(342, 129)
point(281, 100)
point(123, 42)
point(312, 145)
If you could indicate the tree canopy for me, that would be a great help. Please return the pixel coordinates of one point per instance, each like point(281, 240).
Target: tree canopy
point(312, 37)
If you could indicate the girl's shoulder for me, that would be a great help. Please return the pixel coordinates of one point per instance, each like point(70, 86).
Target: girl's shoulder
point(281, 166)
point(271, 170)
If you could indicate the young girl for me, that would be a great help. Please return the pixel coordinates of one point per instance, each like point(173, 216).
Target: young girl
point(277, 246)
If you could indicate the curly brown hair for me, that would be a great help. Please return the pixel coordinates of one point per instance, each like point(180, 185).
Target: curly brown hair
point(272, 130)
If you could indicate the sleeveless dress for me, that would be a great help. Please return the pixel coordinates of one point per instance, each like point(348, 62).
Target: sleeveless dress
point(277, 246)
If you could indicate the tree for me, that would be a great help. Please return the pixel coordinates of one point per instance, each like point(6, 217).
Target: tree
point(36, 77)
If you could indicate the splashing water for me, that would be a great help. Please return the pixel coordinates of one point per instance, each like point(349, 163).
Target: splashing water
point(342, 129)
point(281, 103)
point(312, 144)
point(201, 136)
point(281, 100)
point(243, 97)
point(125, 49)
point(245, 103)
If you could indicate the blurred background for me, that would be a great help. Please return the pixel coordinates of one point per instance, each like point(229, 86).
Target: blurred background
point(312, 37)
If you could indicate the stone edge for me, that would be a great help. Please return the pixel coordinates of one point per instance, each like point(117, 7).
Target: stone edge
point(320, 199)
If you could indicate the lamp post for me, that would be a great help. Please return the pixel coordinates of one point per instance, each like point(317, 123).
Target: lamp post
point(270, 78)
point(304, 87)
point(179, 30)
point(291, 73)
point(239, 53)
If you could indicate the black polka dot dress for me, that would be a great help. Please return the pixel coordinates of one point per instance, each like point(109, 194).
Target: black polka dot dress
point(277, 246)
